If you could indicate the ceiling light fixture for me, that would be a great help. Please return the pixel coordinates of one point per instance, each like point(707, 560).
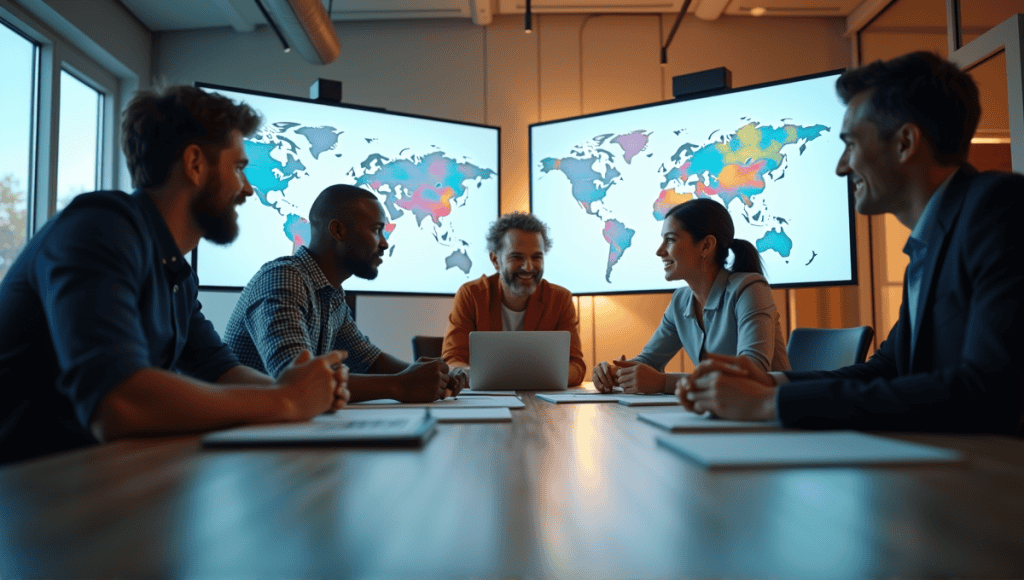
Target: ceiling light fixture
point(305, 26)
point(758, 11)
point(273, 26)
point(528, 24)
point(671, 35)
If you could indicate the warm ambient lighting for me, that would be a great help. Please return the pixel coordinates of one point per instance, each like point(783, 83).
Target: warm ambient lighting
point(991, 140)
point(758, 11)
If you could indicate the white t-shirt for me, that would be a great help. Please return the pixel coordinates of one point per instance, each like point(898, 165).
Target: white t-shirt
point(512, 320)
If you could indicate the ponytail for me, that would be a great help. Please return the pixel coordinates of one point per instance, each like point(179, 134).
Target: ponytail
point(746, 257)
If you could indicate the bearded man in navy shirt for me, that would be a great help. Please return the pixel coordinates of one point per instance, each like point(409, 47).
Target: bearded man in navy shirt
point(101, 333)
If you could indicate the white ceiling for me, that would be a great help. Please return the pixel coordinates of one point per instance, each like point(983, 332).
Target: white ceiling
point(243, 15)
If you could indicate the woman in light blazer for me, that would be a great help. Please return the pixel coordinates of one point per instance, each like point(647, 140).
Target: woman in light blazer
point(720, 310)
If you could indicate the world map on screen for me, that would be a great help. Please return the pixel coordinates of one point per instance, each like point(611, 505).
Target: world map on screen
point(739, 166)
point(418, 191)
point(436, 179)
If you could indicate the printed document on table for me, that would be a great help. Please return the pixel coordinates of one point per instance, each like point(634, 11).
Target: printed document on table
point(479, 401)
point(471, 414)
point(802, 449)
point(392, 427)
point(680, 421)
point(562, 398)
point(648, 400)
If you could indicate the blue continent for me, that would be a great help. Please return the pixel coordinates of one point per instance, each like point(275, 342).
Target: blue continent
point(775, 240)
point(261, 170)
point(320, 139)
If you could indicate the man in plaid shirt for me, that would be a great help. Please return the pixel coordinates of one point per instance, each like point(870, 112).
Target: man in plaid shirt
point(295, 303)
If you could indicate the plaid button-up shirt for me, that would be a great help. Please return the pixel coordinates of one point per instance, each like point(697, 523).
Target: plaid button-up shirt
point(289, 306)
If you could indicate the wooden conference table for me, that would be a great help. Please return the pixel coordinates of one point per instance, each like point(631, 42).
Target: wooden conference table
point(563, 491)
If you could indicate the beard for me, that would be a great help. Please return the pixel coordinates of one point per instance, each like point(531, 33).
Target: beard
point(516, 286)
point(220, 224)
point(365, 269)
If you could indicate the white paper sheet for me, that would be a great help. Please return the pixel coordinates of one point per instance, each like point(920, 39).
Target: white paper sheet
point(801, 449)
point(682, 421)
point(472, 414)
point(563, 398)
point(478, 401)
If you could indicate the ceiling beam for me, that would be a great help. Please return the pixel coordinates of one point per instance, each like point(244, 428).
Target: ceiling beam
point(863, 14)
point(710, 9)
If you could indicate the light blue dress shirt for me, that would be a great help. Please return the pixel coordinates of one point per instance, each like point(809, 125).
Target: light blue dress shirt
point(917, 249)
point(740, 318)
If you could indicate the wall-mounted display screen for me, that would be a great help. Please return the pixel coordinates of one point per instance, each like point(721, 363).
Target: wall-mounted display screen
point(604, 182)
point(437, 180)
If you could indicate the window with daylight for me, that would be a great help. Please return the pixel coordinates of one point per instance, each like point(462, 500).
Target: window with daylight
point(17, 101)
point(78, 150)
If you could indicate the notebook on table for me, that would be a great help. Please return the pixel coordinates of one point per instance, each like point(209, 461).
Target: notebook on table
point(655, 400)
point(398, 427)
point(529, 360)
point(451, 402)
point(570, 398)
point(687, 421)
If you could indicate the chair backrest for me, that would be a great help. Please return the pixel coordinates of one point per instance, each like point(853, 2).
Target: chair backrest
point(427, 346)
point(827, 349)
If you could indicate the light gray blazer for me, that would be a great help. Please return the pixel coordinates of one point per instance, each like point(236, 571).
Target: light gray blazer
point(740, 318)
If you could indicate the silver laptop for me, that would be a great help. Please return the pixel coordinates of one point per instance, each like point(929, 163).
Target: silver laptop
point(530, 360)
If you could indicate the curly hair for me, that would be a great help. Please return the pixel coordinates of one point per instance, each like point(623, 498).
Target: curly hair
point(515, 221)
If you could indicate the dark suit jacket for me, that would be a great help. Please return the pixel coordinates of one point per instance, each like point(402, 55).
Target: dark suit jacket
point(965, 375)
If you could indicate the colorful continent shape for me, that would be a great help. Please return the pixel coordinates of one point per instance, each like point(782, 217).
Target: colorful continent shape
point(588, 185)
point(735, 166)
point(619, 238)
point(667, 199)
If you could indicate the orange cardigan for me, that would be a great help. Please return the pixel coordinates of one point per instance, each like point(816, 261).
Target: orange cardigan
point(478, 307)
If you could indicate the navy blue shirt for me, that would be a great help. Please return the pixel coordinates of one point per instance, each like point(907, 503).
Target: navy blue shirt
point(98, 294)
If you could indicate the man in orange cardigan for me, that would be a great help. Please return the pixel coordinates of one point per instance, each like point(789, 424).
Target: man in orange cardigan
point(516, 298)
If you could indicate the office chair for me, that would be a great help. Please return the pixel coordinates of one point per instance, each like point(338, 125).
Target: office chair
point(427, 346)
point(827, 349)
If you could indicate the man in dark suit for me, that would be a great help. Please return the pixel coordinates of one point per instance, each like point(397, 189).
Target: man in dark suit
point(949, 362)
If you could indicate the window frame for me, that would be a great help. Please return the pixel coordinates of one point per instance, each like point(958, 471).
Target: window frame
point(53, 55)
